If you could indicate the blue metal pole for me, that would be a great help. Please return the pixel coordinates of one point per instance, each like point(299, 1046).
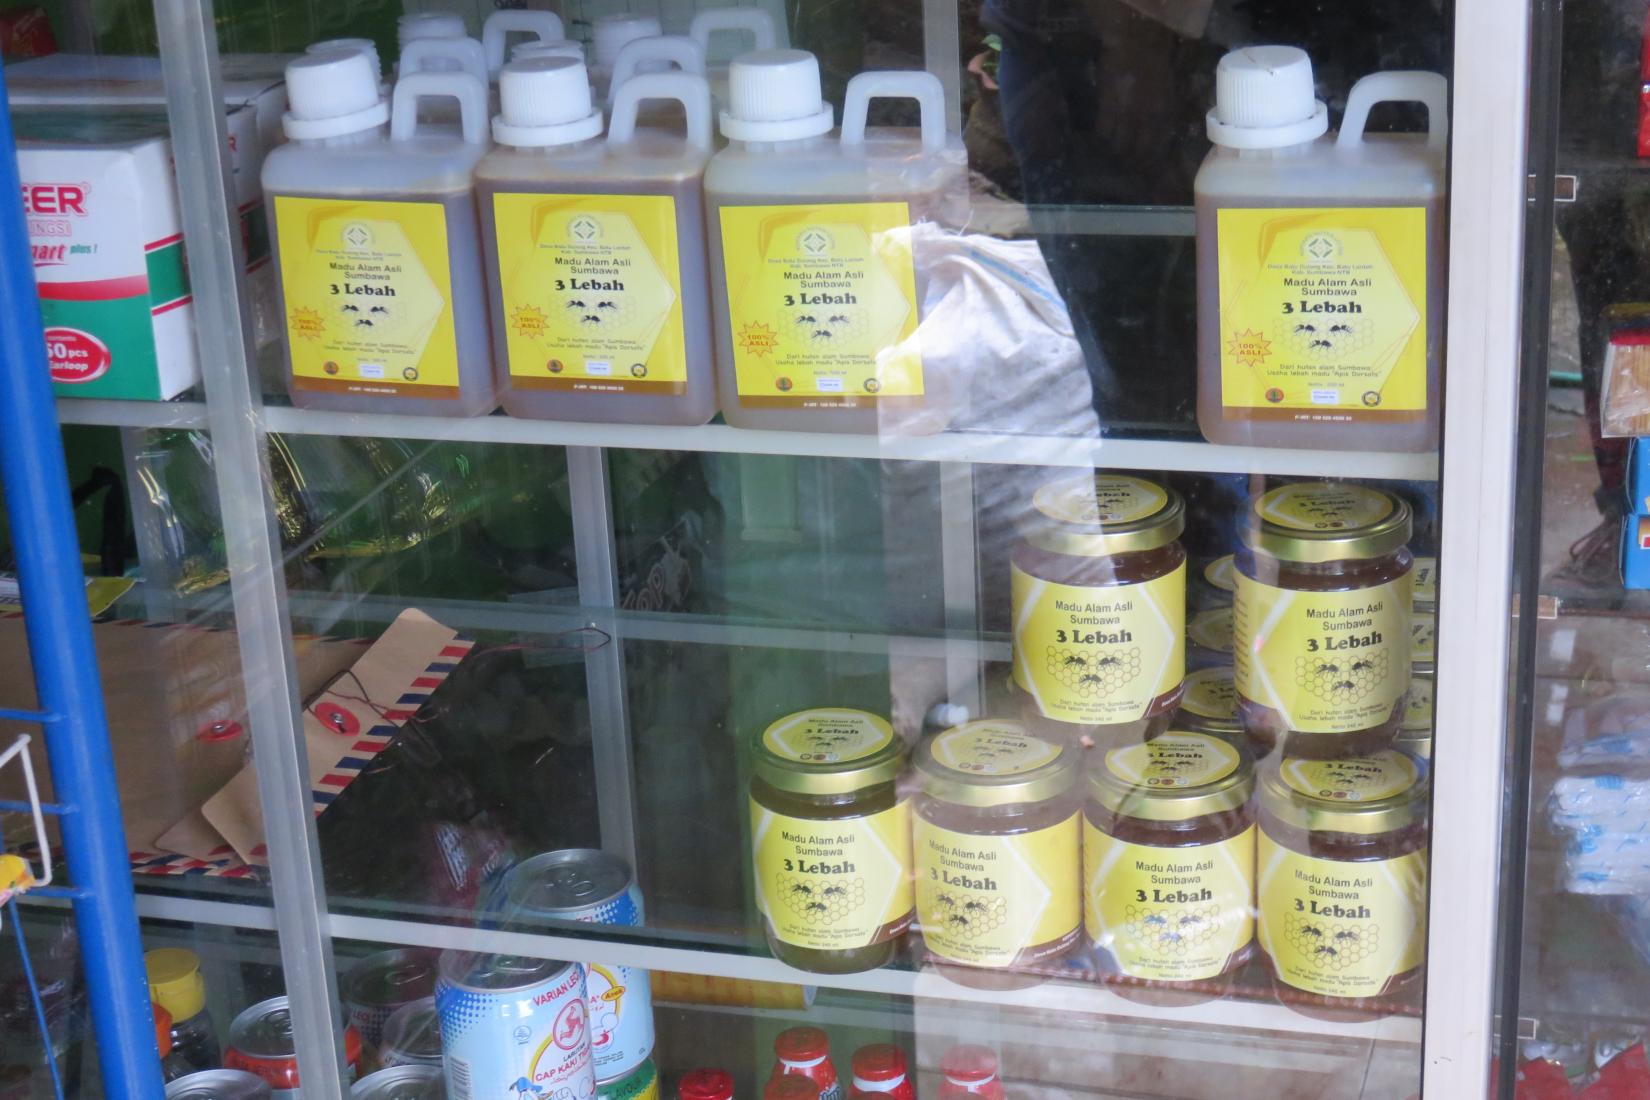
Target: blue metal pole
point(36, 482)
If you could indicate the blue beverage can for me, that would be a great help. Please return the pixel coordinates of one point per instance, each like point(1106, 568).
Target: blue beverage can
point(513, 1027)
point(583, 884)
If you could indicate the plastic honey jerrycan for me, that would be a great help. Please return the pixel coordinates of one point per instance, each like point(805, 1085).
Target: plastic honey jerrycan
point(816, 286)
point(611, 33)
point(596, 249)
point(752, 28)
point(1321, 262)
point(541, 27)
point(427, 24)
point(376, 242)
point(660, 54)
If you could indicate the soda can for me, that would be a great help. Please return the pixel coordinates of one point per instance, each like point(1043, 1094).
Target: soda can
point(218, 1084)
point(401, 1083)
point(583, 884)
point(641, 1083)
point(379, 984)
point(412, 1037)
point(512, 1026)
point(260, 1043)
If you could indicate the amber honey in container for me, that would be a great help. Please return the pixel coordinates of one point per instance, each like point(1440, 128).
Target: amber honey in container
point(1209, 705)
point(1321, 622)
point(1098, 592)
point(996, 842)
point(1342, 880)
point(831, 840)
point(1169, 864)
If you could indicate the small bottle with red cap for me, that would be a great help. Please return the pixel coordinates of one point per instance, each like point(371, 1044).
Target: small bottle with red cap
point(705, 1084)
point(970, 1071)
point(791, 1086)
point(806, 1052)
point(880, 1072)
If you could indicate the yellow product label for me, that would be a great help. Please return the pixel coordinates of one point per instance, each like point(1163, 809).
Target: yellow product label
point(368, 295)
point(1329, 662)
point(1423, 637)
point(822, 301)
point(1426, 580)
point(592, 292)
point(1212, 629)
point(1169, 914)
point(1323, 506)
point(1098, 655)
point(988, 900)
point(1418, 711)
point(825, 736)
point(833, 885)
point(1174, 761)
point(1386, 774)
point(1220, 574)
point(1322, 313)
point(1096, 500)
point(1337, 928)
point(1210, 693)
point(992, 748)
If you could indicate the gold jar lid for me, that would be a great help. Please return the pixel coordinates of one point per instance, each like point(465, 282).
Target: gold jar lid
point(1365, 795)
point(995, 762)
point(1221, 573)
point(1173, 777)
point(1212, 629)
point(829, 750)
point(1211, 698)
point(1418, 709)
point(1096, 515)
point(1324, 521)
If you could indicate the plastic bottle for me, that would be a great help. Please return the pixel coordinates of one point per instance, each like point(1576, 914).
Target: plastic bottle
point(364, 45)
point(754, 23)
point(880, 1071)
point(521, 51)
point(811, 266)
point(596, 250)
point(542, 26)
point(444, 55)
point(1321, 262)
point(805, 1052)
point(176, 987)
point(428, 24)
point(611, 33)
point(359, 185)
point(661, 53)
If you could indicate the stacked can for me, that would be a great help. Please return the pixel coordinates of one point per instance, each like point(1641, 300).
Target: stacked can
point(582, 884)
point(401, 1083)
point(514, 1026)
point(217, 1084)
point(412, 1036)
point(260, 1043)
point(641, 1083)
point(379, 985)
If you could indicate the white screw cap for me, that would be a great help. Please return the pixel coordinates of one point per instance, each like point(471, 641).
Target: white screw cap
point(1264, 99)
point(521, 51)
point(332, 93)
point(774, 95)
point(545, 101)
point(611, 33)
point(361, 45)
point(429, 24)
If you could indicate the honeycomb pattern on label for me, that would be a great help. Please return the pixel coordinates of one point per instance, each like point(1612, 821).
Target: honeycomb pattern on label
point(967, 917)
point(597, 311)
point(1094, 675)
point(1172, 931)
point(1324, 339)
point(1342, 680)
point(1333, 945)
point(819, 903)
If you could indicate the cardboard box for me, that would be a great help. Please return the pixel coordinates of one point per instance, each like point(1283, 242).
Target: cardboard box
point(1635, 552)
point(100, 198)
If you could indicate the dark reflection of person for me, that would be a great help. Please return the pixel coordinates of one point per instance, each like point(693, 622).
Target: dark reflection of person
point(1103, 103)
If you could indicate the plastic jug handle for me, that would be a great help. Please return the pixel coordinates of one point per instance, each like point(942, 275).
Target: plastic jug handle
point(1430, 90)
point(470, 93)
point(752, 21)
point(691, 90)
point(925, 88)
point(546, 26)
point(464, 53)
point(677, 49)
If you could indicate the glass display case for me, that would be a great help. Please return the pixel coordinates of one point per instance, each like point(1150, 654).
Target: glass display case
point(922, 557)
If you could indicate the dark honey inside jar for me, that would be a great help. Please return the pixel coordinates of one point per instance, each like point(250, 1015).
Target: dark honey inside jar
point(1168, 863)
point(831, 840)
point(996, 841)
point(1322, 619)
point(1099, 604)
point(1342, 880)
point(1210, 705)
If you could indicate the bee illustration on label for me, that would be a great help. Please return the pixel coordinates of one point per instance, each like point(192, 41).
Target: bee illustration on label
point(385, 310)
point(820, 904)
point(821, 334)
point(1075, 661)
point(1323, 344)
point(362, 322)
point(349, 308)
point(1333, 329)
point(574, 303)
point(807, 319)
point(1306, 328)
point(606, 305)
point(590, 319)
point(837, 319)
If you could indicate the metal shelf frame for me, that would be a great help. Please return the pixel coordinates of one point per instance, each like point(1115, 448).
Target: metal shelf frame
point(71, 719)
point(1477, 510)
